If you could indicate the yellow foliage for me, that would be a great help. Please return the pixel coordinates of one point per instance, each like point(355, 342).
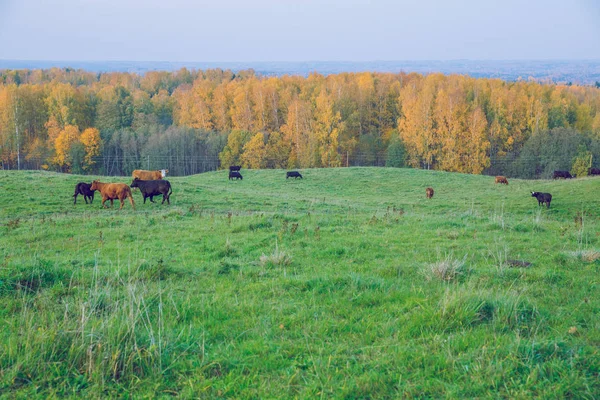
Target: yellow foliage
point(62, 145)
point(255, 152)
point(92, 143)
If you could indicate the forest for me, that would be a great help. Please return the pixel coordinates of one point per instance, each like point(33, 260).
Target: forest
point(69, 120)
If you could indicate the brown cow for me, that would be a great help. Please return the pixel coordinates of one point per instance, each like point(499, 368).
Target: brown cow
point(429, 192)
point(144, 175)
point(111, 191)
point(502, 179)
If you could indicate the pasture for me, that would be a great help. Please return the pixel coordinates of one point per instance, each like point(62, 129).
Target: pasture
point(348, 283)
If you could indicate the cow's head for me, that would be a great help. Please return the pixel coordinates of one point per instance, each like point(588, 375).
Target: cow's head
point(163, 172)
point(534, 194)
point(135, 183)
point(94, 185)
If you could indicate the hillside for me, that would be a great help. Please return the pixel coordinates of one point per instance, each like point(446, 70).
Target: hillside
point(348, 283)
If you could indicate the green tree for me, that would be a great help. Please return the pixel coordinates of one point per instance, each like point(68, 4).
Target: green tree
point(582, 162)
point(231, 154)
point(395, 155)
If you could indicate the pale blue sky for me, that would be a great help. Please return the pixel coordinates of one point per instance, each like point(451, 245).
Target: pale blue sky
point(299, 30)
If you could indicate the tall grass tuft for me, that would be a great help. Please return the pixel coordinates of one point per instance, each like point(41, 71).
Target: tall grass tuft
point(448, 269)
point(276, 259)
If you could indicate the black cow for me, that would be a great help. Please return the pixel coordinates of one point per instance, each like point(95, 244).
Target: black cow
point(562, 174)
point(594, 171)
point(542, 198)
point(235, 175)
point(234, 167)
point(154, 188)
point(84, 189)
point(293, 174)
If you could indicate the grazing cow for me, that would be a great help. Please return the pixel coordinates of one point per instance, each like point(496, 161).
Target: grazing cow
point(149, 175)
point(562, 174)
point(594, 171)
point(235, 175)
point(83, 189)
point(111, 191)
point(502, 180)
point(154, 188)
point(429, 192)
point(235, 167)
point(293, 174)
point(542, 198)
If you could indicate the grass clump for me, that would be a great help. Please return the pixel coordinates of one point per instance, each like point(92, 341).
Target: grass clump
point(276, 259)
point(447, 270)
point(590, 255)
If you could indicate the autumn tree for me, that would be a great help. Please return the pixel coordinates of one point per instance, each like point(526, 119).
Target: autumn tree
point(232, 153)
point(92, 144)
point(255, 152)
point(68, 136)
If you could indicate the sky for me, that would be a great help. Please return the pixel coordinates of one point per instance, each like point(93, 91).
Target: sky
point(299, 30)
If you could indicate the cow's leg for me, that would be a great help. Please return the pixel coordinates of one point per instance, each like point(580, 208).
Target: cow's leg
point(112, 203)
point(152, 198)
point(122, 203)
point(75, 198)
point(132, 203)
point(104, 201)
point(145, 199)
point(85, 198)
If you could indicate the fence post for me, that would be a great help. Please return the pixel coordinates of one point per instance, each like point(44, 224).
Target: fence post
point(148, 156)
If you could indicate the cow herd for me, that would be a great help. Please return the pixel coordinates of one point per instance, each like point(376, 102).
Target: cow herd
point(152, 183)
point(542, 198)
point(149, 183)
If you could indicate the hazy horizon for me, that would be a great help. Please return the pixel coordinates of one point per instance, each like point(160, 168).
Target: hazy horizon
point(299, 31)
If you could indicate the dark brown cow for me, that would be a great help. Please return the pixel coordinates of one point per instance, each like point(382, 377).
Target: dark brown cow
point(562, 174)
point(502, 180)
point(542, 198)
point(594, 171)
point(111, 191)
point(293, 174)
point(83, 189)
point(429, 192)
point(154, 188)
point(235, 175)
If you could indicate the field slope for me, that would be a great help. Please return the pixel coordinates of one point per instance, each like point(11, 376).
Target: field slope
point(347, 284)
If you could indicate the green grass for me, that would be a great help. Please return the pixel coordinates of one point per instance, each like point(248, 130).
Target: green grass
point(347, 284)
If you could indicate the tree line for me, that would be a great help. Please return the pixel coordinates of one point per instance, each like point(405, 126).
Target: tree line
point(193, 121)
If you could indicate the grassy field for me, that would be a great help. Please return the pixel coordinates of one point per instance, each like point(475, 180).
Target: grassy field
point(347, 284)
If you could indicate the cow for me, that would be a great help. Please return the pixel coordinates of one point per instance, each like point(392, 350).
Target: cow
point(594, 171)
point(429, 192)
point(235, 167)
point(293, 174)
point(502, 180)
point(235, 175)
point(154, 188)
point(111, 191)
point(83, 189)
point(562, 174)
point(542, 198)
point(149, 175)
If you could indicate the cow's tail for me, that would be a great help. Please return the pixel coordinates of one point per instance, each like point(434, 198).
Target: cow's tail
point(130, 197)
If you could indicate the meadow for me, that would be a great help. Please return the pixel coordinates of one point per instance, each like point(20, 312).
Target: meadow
point(347, 284)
